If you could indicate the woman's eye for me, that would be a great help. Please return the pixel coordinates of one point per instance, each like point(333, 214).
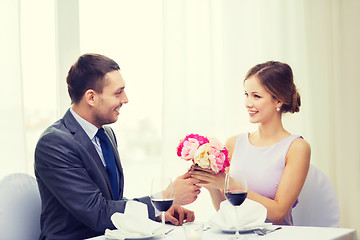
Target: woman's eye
point(257, 96)
point(246, 94)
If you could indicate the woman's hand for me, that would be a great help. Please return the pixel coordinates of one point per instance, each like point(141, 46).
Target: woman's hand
point(177, 215)
point(208, 178)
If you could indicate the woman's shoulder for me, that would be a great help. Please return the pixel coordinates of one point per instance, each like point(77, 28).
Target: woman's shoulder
point(300, 144)
point(230, 145)
point(231, 141)
point(299, 148)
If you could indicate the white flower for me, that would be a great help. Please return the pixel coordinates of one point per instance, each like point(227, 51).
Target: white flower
point(201, 156)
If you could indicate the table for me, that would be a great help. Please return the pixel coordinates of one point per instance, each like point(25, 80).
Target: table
point(286, 233)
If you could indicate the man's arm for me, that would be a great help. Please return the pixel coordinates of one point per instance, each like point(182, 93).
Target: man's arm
point(74, 179)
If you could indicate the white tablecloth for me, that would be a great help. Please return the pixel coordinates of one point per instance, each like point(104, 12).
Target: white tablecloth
point(286, 233)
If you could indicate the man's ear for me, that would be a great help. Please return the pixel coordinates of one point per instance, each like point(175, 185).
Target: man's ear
point(90, 97)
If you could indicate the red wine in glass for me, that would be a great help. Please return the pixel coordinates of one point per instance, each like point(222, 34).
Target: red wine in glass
point(162, 197)
point(236, 198)
point(236, 193)
point(162, 204)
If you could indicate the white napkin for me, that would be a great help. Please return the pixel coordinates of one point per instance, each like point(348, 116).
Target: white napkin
point(250, 214)
point(134, 222)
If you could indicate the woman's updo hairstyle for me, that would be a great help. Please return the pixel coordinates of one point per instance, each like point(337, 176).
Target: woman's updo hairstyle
point(277, 78)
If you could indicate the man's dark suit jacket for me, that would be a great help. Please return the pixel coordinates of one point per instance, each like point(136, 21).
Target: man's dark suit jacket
point(74, 187)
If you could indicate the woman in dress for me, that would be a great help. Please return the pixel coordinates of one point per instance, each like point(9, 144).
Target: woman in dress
point(274, 161)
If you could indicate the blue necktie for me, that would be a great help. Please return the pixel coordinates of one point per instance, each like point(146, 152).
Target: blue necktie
point(109, 158)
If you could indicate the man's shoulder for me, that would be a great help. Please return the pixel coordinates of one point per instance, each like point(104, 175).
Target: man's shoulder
point(56, 134)
point(57, 128)
point(54, 140)
point(62, 127)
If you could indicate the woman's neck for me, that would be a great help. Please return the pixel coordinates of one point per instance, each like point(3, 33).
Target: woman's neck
point(268, 134)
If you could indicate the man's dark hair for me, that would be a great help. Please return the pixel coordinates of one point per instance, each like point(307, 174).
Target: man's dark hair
point(88, 73)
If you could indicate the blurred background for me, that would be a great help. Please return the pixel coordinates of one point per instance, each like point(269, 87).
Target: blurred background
point(184, 62)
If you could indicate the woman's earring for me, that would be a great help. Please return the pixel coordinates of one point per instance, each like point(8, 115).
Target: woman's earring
point(278, 109)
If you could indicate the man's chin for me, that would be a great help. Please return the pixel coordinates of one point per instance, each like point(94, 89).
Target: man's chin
point(115, 119)
point(110, 121)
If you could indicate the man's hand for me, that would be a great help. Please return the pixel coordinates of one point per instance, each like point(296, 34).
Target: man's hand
point(177, 215)
point(186, 190)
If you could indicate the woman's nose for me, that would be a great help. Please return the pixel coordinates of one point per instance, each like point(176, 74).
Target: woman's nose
point(248, 102)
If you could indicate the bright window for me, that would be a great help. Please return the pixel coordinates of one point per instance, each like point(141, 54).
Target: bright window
point(132, 36)
point(37, 30)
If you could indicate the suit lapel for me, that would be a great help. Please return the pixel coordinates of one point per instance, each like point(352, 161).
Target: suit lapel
point(80, 136)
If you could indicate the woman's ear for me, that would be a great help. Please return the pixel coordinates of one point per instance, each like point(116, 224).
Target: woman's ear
point(279, 104)
point(90, 97)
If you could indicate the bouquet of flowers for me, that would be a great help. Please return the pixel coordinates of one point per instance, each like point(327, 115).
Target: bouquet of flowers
point(205, 152)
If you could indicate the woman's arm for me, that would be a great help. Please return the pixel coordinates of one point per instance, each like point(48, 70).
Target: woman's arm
point(296, 167)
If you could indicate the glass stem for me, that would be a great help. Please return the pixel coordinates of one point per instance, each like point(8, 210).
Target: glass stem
point(237, 227)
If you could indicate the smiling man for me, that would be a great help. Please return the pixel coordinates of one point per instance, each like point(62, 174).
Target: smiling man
point(77, 164)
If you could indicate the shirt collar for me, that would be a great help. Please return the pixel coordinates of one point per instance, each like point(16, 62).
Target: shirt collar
point(89, 128)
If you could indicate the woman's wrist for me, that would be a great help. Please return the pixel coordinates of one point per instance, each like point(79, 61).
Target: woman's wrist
point(214, 191)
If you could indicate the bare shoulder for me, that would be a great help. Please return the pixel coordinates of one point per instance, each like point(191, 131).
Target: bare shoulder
point(299, 149)
point(300, 145)
point(230, 144)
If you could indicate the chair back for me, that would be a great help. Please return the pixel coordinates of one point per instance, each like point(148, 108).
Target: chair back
point(20, 207)
point(318, 204)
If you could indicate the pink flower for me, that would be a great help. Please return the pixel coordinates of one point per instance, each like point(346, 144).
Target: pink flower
point(201, 139)
point(205, 152)
point(226, 162)
point(189, 148)
point(217, 159)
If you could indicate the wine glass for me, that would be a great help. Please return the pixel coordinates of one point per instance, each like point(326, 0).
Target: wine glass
point(236, 192)
point(162, 196)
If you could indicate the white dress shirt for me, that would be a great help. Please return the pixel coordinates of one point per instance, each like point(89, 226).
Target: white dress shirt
point(91, 131)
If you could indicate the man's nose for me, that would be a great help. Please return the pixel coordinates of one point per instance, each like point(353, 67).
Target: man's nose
point(124, 99)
